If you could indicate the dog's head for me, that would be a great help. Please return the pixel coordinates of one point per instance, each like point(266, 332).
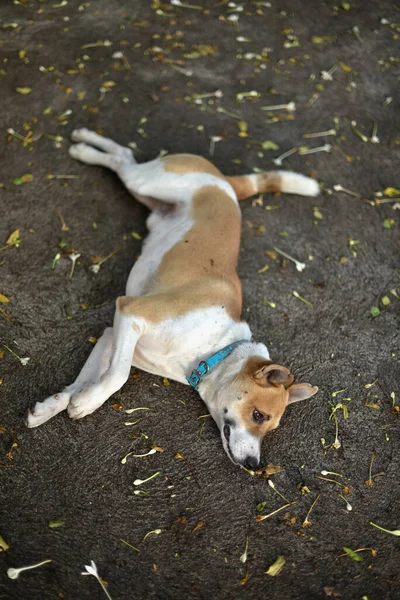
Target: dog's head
point(249, 405)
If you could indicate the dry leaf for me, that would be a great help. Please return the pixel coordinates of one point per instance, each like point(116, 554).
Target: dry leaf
point(3, 545)
point(277, 566)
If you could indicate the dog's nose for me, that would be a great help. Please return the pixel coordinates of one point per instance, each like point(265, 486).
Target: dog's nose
point(250, 462)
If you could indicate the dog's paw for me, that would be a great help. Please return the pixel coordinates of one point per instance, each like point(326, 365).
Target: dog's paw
point(83, 404)
point(80, 135)
point(43, 411)
point(81, 152)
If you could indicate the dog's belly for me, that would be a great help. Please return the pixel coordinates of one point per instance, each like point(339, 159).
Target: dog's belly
point(165, 230)
point(174, 347)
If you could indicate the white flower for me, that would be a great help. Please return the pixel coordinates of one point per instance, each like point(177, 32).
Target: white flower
point(14, 573)
point(326, 76)
point(92, 570)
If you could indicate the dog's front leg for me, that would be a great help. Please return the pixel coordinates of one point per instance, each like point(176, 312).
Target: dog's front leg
point(97, 363)
point(126, 332)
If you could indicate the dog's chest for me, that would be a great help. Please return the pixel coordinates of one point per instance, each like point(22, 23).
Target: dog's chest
point(174, 347)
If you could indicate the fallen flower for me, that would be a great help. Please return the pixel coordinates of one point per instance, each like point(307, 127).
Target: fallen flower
point(140, 481)
point(243, 557)
point(263, 517)
point(14, 573)
point(123, 460)
point(320, 133)
point(92, 570)
point(324, 148)
point(278, 160)
point(23, 361)
point(297, 295)
point(290, 107)
point(155, 531)
point(393, 531)
point(74, 257)
point(299, 265)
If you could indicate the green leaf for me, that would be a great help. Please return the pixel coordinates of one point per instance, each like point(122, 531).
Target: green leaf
point(269, 145)
point(375, 312)
point(23, 90)
point(352, 554)
point(388, 223)
point(56, 523)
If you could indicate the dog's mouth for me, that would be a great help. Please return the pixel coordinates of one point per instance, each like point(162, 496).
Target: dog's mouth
point(226, 433)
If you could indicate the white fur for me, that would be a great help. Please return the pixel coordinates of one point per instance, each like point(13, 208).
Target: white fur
point(295, 183)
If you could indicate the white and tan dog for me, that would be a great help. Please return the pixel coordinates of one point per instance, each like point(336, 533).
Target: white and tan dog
point(181, 316)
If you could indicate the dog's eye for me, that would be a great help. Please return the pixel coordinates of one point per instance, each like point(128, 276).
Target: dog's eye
point(257, 416)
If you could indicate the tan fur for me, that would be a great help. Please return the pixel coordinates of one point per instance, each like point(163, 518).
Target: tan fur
point(189, 163)
point(267, 398)
point(200, 270)
point(246, 186)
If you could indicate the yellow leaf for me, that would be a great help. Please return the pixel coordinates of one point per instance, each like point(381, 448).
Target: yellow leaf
point(3, 545)
point(345, 67)
point(165, 381)
point(4, 298)
point(23, 90)
point(263, 269)
point(137, 236)
point(13, 239)
point(391, 192)
point(277, 566)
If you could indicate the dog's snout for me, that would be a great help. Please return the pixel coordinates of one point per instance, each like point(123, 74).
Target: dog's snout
point(250, 462)
point(227, 432)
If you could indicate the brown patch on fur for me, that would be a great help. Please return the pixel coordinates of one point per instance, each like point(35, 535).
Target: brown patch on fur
point(189, 163)
point(262, 395)
point(200, 270)
point(246, 185)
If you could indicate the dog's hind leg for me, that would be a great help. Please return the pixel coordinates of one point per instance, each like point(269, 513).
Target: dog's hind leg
point(118, 158)
point(94, 139)
point(97, 363)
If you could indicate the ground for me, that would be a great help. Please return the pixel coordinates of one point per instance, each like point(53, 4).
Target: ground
point(197, 78)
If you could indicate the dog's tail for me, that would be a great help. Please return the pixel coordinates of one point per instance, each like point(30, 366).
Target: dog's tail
point(273, 181)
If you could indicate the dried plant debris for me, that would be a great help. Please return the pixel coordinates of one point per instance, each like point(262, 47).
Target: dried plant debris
point(276, 567)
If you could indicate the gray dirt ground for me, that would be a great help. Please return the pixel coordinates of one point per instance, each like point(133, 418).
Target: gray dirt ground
point(72, 471)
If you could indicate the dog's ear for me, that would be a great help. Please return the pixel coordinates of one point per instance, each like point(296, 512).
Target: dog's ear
point(273, 374)
point(301, 391)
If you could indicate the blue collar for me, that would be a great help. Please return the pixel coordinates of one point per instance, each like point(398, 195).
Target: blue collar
point(205, 366)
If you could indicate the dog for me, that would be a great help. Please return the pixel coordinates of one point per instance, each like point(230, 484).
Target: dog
point(181, 316)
